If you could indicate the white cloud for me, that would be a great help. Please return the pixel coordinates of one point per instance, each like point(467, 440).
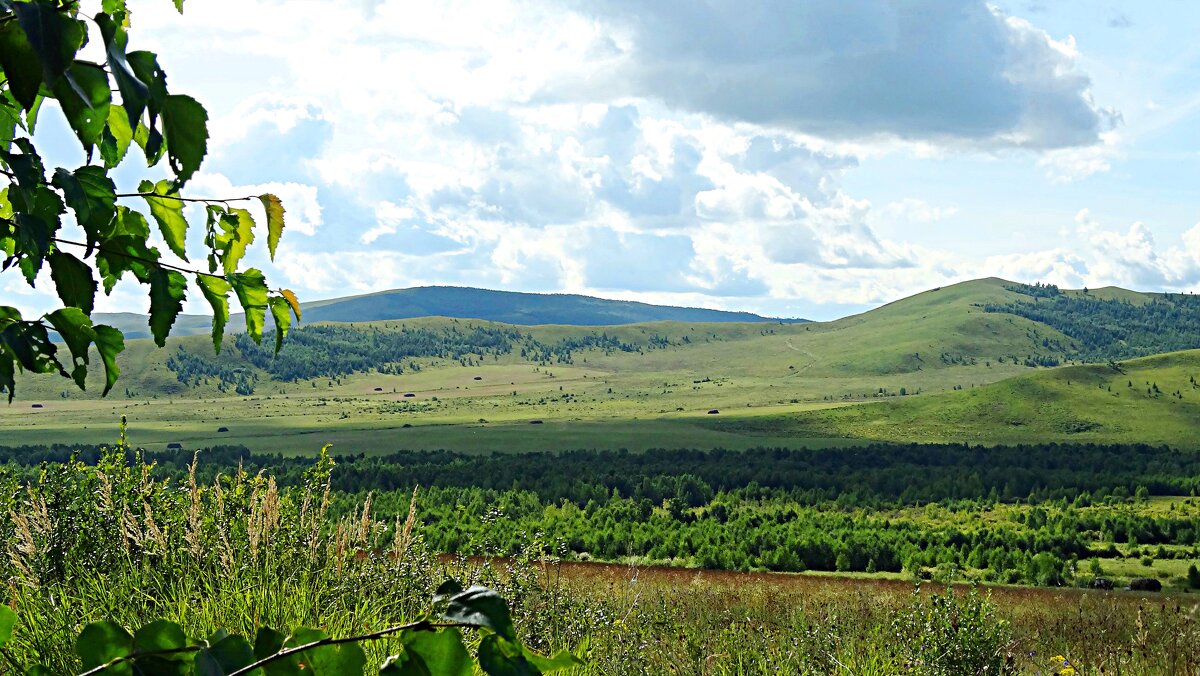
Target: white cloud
point(948, 71)
point(534, 145)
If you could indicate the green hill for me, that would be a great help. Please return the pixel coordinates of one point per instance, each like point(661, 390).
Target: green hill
point(1152, 400)
point(526, 309)
point(910, 369)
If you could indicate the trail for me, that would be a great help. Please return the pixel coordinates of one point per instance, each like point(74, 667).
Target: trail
point(810, 355)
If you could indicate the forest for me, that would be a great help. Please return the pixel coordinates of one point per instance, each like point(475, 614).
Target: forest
point(1104, 329)
point(333, 351)
point(1048, 515)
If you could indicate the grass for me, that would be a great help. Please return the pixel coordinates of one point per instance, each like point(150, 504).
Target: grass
point(1094, 403)
point(751, 373)
point(241, 553)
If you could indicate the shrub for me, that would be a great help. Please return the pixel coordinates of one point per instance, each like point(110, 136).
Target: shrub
point(954, 634)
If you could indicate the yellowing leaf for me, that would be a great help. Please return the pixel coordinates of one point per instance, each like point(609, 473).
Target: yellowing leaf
point(292, 300)
point(274, 207)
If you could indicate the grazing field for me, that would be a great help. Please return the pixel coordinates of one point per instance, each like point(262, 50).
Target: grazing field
point(933, 367)
point(1150, 400)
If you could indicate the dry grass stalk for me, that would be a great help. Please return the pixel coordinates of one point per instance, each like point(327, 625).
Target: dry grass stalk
point(402, 539)
point(225, 549)
point(194, 535)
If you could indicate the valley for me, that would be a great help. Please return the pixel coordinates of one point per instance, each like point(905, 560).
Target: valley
point(934, 367)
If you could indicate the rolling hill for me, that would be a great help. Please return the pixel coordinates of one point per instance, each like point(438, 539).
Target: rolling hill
point(525, 309)
point(1153, 400)
point(964, 362)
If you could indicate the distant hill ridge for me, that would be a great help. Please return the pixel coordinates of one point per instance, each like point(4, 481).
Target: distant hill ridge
point(509, 307)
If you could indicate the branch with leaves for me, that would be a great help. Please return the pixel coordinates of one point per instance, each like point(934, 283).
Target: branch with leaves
point(431, 646)
point(40, 43)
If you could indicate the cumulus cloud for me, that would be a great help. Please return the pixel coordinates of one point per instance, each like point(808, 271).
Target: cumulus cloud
point(1099, 256)
point(646, 150)
point(954, 71)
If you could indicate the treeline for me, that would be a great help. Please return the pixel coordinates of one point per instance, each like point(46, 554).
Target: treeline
point(878, 476)
point(877, 508)
point(193, 370)
point(331, 351)
point(747, 529)
point(1111, 329)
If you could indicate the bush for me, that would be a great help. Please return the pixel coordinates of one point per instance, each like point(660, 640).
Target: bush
point(954, 634)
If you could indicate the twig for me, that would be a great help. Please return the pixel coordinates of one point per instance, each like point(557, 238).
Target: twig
point(423, 625)
point(133, 656)
point(132, 257)
point(200, 200)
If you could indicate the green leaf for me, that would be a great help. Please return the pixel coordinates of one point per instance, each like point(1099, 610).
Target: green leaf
point(114, 142)
point(114, 8)
point(267, 642)
point(447, 589)
point(85, 97)
point(167, 292)
point(428, 653)
point(185, 124)
point(326, 660)
point(564, 659)
point(168, 213)
point(101, 642)
point(109, 343)
point(225, 656)
point(282, 313)
point(125, 253)
point(21, 65)
point(73, 279)
point(31, 115)
point(251, 289)
point(158, 637)
point(134, 93)
point(10, 119)
point(8, 373)
point(145, 67)
point(30, 344)
point(499, 657)
point(131, 223)
point(8, 619)
point(216, 292)
point(179, 6)
point(92, 195)
point(53, 36)
point(150, 140)
point(481, 607)
point(76, 330)
point(236, 234)
point(274, 207)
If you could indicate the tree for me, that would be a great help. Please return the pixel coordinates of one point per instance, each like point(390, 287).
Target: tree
point(40, 49)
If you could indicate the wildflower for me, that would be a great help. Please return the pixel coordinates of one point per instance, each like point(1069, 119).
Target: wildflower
point(1062, 666)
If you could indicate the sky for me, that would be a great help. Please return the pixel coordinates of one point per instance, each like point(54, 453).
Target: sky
point(795, 158)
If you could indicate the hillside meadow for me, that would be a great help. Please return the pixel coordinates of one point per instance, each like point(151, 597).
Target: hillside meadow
point(933, 367)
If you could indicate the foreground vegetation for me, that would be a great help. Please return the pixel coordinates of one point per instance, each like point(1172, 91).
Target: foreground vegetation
point(227, 549)
point(1042, 515)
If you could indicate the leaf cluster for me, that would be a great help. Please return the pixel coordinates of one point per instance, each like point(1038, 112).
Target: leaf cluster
point(41, 43)
point(431, 646)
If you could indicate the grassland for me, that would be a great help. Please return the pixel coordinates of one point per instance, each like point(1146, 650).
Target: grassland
point(1152, 400)
point(962, 373)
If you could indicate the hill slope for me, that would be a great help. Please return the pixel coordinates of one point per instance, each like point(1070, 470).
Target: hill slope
point(1153, 400)
point(476, 385)
point(525, 309)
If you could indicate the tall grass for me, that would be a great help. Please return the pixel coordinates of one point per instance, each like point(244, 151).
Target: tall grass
point(112, 541)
